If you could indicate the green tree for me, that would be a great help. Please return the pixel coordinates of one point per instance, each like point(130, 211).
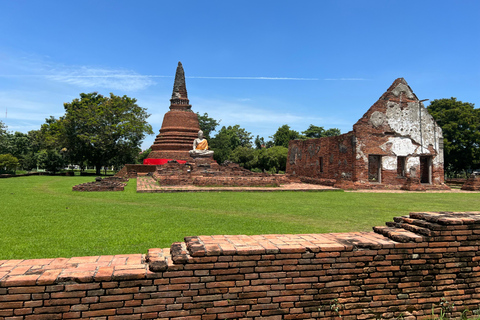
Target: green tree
point(261, 143)
point(273, 159)
point(320, 132)
point(4, 139)
point(50, 160)
point(284, 134)
point(104, 130)
point(8, 162)
point(142, 156)
point(207, 124)
point(227, 140)
point(460, 122)
point(245, 157)
point(20, 146)
point(17, 144)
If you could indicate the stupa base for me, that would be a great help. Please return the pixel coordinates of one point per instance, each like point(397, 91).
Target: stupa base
point(170, 154)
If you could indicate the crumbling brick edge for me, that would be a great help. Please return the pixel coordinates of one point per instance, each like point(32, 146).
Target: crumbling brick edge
point(402, 269)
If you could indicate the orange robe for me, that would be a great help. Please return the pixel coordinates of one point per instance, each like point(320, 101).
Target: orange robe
point(202, 145)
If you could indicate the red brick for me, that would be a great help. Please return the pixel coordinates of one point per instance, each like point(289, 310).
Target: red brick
point(98, 313)
point(22, 311)
point(36, 289)
point(71, 294)
point(14, 297)
point(82, 286)
point(43, 317)
point(52, 310)
point(11, 305)
point(57, 302)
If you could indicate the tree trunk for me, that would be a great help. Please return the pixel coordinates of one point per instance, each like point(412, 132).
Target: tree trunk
point(97, 169)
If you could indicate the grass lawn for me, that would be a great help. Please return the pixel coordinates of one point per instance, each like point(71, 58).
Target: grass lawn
point(41, 217)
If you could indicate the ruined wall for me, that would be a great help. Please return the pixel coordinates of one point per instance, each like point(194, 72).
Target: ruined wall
point(398, 125)
point(326, 158)
point(131, 170)
point(396, 144)
point(400, 270)
point(213, 174)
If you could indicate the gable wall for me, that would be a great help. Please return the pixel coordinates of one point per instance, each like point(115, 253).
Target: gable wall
point(398, 125)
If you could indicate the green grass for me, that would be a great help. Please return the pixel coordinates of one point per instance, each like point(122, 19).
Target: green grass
point(41, 217)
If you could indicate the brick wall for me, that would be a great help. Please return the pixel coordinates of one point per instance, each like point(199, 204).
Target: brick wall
point(324, 158)
point(131, 170)
point(403, 269)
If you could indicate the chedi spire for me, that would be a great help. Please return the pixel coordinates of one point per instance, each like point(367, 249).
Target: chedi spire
point(180, 124)
point(179, 95)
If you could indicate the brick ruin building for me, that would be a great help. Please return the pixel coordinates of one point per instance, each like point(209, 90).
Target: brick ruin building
point(396, 145)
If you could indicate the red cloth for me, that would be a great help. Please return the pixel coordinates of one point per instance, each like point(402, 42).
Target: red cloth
point(158, 162)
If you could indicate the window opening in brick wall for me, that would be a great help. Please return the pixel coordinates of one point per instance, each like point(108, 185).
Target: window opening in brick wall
point(374, 168)
point(401, 161)
point(320, 164)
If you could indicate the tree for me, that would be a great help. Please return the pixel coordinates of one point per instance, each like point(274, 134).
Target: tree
point(260, 143)
point(320, 132)
point(207, 124)
point(50, 159)
point(8, 162)
point(245, 157)
point(460, 122)
point(227, 140)
point(273, 159)
point(17, 144)
point(4, 139)
point(284, 134)
point(142, 156)
point(103, 130)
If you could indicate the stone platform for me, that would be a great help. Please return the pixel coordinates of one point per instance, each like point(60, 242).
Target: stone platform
point(146, 184)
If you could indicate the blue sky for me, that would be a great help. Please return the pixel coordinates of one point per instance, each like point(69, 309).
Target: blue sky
point(259, 64)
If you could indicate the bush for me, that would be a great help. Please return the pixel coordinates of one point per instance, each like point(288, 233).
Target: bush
point(8, 162)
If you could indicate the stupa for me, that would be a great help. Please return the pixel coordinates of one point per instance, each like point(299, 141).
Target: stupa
point(180, 125)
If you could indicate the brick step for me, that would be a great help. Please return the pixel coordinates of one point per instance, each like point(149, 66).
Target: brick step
point(413, 225)
point(419, 222)
point(398, 234)
point(158, 259)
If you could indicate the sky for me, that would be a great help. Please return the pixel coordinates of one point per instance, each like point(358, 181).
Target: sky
point(258, 64)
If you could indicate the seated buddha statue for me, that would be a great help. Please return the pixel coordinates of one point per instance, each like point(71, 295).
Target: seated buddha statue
point(200, 147)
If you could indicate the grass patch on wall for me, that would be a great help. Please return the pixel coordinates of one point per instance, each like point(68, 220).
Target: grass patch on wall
point(41, 217)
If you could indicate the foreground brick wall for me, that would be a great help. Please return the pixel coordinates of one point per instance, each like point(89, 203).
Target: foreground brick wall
point(401, 269)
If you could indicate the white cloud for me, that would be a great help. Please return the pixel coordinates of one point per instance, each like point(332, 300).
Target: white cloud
point(253, 78)
point(89, 77)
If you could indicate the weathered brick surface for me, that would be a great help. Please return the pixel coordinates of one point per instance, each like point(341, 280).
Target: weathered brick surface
point(472, 183)
point(105, 184)
point(395, 145)
point(406, 267)
point(229, 174)
point(180, 124)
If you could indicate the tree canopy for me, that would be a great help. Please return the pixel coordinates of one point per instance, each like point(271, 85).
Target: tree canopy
point(8, 162)
point(228, 139)
point(460, 122)
point(103, 130)
point(320, 132)
point(283, 135)
point(207, 124)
